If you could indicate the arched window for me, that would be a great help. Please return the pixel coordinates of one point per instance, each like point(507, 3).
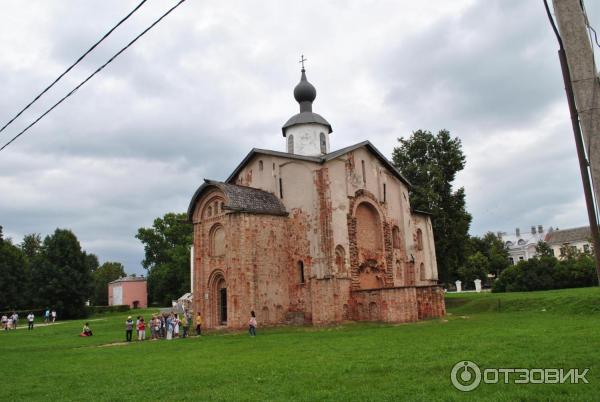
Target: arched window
point(340, 259)
point(422, 272)
point(217, 241)
point(396, 237)
point(521, 242)
point(419, 239)
point(323, 143)
point(290, 144)
point(260, 166)
point(300, 272)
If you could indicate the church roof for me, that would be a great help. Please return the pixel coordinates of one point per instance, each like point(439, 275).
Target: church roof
point(241, 199)
point(129, 279)
point(569, 235)
point(321, 159)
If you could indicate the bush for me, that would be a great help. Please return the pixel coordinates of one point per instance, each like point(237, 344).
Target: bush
point(546, 272)
point(107, 309)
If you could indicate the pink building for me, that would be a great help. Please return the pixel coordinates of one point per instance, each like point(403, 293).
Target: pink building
point(129, 290)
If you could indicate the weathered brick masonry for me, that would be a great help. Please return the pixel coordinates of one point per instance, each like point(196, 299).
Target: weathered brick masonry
point(312, 236)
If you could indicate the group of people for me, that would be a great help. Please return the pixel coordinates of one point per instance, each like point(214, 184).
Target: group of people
point(50, 315)
point(162, 326)
point(167, 326)
point(11, 321)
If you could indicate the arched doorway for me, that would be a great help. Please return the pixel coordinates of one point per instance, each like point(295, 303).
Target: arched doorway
point(218, 299)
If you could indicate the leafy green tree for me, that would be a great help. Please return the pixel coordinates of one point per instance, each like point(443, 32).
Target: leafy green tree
point(60, 276)
point(107, 272)
point(13, 279)
point(476, 267)
point(31, 245)
point(91, 261)
point(543, 249)
point(167, 257)
point(492, 248)
point(431, 162)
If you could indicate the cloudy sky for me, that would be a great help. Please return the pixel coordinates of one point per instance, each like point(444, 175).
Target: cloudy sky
point(215, 78)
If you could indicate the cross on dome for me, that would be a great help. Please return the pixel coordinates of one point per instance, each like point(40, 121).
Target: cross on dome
point(302, 60)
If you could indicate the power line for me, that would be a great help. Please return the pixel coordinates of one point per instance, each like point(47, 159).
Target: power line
point(93, 74)
point(72, 65)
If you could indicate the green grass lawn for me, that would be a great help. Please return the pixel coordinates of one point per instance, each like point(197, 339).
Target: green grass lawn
point(366, 361)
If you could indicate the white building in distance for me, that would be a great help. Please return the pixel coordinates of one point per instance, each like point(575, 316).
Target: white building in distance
point(521, 245)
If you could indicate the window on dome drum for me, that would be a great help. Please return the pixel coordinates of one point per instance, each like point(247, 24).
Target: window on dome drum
point(521, 258)
point(290, 144)
point(511, 260)
point(260, 166)
point(300, 272)
point(419, 239)
point(364, 172)
point(280, 188)
point(323, 143)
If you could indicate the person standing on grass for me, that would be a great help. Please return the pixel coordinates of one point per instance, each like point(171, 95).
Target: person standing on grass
point(176, 323)
point(252, 324)
point(47, 315)
point(199, 324)
point(151, 325)
point(170, 327)
point(30, 319)
point(53, 316)
point(158, 327)
point(141, 329)
point(128, 329)
point(188, 321)
point(15, 318)
point(4, 322)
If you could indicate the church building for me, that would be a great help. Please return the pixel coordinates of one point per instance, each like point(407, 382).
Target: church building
point(311, 236)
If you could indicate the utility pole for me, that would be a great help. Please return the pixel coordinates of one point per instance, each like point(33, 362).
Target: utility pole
point(582, 87)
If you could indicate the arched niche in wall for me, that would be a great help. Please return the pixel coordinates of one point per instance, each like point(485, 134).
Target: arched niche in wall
point(217, 240)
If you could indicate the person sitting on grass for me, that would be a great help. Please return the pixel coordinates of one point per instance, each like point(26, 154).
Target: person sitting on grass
point(86, 330)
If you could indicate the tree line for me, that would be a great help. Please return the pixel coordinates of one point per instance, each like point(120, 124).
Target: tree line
point(53, 273)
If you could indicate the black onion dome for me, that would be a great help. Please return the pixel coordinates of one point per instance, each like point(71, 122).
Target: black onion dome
point(304, 91)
